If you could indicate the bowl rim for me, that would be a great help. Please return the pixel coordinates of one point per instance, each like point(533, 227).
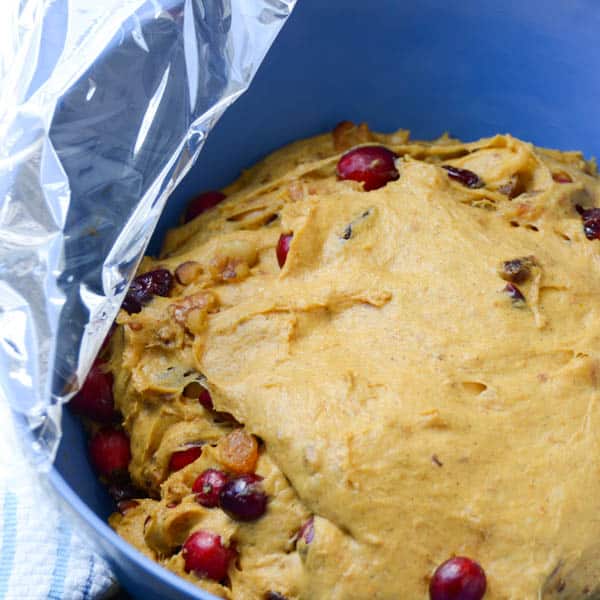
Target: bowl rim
point(67, 494)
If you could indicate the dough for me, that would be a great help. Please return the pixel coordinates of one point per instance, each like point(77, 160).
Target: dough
point(399, 391)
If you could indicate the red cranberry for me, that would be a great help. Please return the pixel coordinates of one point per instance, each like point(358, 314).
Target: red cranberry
point(205, 555)
point(562, 177)
point(95, 398)
point(514, 293)
point(145, 286)
point(459, 578)
point(205, 399)
point(243, 498)
point(373, 165)
point(202, 203)
point(124, 506)
point(109, 451)
point(183, 458)
point(464, 176)
point(208, 486)
point(307, 531)
point(591, 222)
point(283, 247)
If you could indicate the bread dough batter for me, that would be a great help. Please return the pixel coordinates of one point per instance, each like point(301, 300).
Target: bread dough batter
point(400, 392)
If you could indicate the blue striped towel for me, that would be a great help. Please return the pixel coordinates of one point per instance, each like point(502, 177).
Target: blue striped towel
point(42, 557)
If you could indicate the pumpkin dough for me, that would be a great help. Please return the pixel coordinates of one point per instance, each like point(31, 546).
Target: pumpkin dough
point(399, 392)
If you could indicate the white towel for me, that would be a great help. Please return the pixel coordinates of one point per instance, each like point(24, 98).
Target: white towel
point(42, 557)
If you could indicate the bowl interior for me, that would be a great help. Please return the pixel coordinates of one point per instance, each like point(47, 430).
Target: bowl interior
point(472, 68)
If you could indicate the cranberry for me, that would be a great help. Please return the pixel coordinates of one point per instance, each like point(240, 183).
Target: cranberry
point(124, 506)
point(464, 176)
point(202, 203)
point(459, 578)
point(208, 486)
point(183, 458)
point(562, 177)
point(373, 165)
point(145, 286)
point(205, 555)
point(243, 498)
point(514, 293)
point(591, 222)
point(109, 451)
point(205, 399)
point(283, 247)
point(307, 531)
point(95, 398)
point(195, 390)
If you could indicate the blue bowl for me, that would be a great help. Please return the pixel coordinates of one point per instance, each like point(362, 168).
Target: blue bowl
point(475, 68)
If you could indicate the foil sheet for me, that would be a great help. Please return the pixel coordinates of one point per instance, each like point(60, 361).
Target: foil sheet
point(104, 106)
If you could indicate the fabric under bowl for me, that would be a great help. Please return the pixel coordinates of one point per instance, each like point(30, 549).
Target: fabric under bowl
point(475, 69)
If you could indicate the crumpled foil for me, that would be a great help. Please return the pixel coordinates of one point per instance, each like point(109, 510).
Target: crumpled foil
point(104, 106)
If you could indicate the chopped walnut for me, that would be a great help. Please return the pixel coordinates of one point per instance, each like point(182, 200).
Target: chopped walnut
point(191, 311)
point(346, 134)
point(513, 187)
point(188, 272)
point(233, 260)
point(296, 191)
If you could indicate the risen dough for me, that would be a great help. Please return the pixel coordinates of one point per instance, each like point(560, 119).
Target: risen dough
point(401, 396)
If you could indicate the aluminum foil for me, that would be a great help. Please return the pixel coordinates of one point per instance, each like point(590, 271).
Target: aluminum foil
point(104, 106)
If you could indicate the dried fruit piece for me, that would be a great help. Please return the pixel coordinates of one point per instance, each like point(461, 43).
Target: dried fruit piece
point(517, 270)
point(205, 555)
point(238, 452)
point(562, 177)
point(464, 176)
point(109, 452)
point(145, 286)
point(591, 222)
point(183, 458)
point(124, 490)
point(514, 293)
point(307, 531)
point(283, 247)
point(243, 498)
point(458, 578)
point(374, 166)
point(95, 398)
point(202, 203)
point(274, 596)
point(208, 486)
